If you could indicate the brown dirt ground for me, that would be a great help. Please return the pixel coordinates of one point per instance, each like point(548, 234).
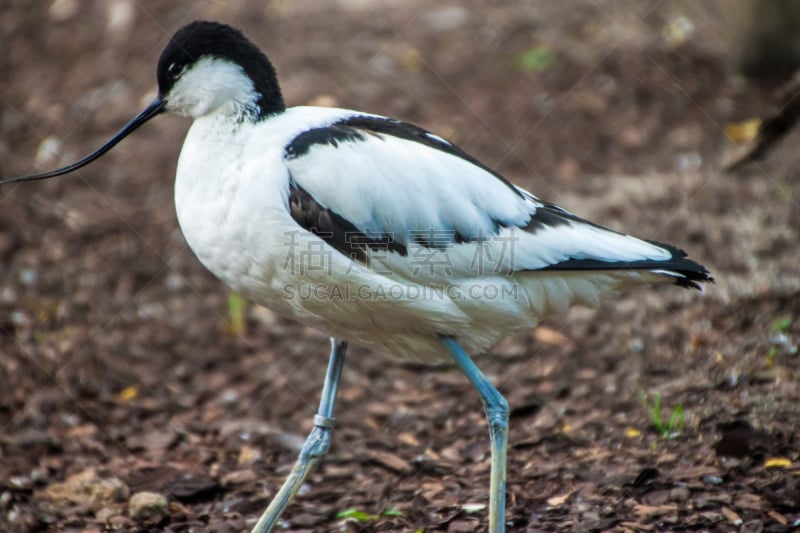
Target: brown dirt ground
point(118, 375)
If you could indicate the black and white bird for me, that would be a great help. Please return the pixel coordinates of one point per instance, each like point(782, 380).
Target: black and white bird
point(372, 230)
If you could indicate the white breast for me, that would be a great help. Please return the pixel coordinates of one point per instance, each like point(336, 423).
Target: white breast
point(226, 203)
point(231, 194)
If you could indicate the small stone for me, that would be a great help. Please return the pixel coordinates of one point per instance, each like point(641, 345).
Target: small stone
point(118, 522)
point(121, 16)
point(61, 10)
point(87, 488)
point(48, 152)
point(192, 486)
point(148, 507)
point(462, 526)
point(248, 455)
point(679, 494)
point(238, 477)
point(103, 515)
point(446, 18)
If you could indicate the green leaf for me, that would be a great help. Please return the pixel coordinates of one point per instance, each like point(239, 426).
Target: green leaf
point(355, 514)
point(654, 410)
point(676, 421)
point(237, 309)
point(393, 512)
point(781, 325)
point(535, 59)
point(773, 353)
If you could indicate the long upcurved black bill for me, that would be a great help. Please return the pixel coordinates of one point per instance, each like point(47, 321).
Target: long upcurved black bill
point(156, 107)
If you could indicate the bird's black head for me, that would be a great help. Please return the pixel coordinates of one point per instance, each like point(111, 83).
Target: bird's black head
point(202, 58)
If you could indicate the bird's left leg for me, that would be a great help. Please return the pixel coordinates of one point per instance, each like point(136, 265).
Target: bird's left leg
point(496, 408)
point(315, 446)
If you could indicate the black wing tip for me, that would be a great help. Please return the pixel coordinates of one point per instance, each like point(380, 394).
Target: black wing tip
point(694, 282)
point(685, 272)
point(692, 273)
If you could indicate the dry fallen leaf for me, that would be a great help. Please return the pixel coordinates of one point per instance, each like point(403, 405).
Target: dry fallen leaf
point(129, 393)
point(632, 433)
point(777, 462)
point(782, 520)
point(550, 336)
point(650, 511)
point(473, 507)
point(408, 439)
point(558, 501)
point(742, 132)
point(390, 461)
point(731, 516)
point(248, 455)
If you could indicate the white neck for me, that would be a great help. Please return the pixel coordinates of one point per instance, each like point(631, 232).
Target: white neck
point(213, 86)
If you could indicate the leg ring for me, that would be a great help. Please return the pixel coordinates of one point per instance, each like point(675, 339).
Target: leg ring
point(324, 421)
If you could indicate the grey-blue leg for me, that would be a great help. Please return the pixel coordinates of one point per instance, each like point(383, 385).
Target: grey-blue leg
point(496, 408)
point(315, 446)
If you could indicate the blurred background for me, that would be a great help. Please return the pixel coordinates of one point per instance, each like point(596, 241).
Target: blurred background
point(128, 369)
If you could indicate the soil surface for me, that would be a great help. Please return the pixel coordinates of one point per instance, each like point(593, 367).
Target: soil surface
point(131, 402)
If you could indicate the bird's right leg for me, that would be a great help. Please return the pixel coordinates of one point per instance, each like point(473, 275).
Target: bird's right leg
point(496, 408)
point(315, 446)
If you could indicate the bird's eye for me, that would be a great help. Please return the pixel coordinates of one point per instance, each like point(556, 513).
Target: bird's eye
point(174, 69)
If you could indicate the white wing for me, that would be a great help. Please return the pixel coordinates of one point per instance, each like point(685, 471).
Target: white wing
point(403, 200)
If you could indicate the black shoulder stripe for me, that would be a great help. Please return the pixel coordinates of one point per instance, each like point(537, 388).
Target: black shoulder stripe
point(331, 135)
point(336, 230)
point(409, 132)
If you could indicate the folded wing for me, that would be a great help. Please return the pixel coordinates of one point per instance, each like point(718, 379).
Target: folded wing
point(396, 197)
